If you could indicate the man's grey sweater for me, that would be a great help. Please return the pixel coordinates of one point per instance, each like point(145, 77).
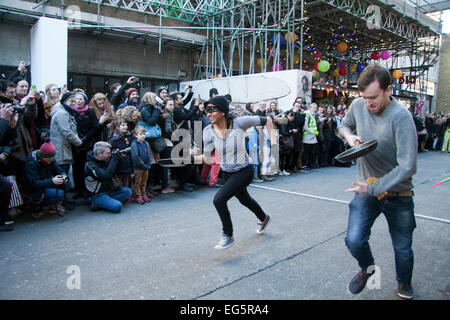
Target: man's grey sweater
point(394, 161)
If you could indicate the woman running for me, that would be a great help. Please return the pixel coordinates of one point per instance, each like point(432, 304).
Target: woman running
point(226, 135)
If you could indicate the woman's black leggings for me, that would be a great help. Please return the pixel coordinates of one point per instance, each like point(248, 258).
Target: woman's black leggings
point(236, 186)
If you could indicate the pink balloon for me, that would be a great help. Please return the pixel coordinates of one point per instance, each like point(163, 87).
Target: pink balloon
point(385, 55)
point(279, 67)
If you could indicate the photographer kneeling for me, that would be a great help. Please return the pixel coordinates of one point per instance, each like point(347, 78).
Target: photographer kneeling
point(104, 189)
point(44, 181)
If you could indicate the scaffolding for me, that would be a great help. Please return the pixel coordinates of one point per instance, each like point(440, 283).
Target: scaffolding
point(254, 36)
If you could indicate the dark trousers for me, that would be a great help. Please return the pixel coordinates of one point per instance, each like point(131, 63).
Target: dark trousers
point(79, 158)
point(5, 197)
point(309, 154)
point(286, 160)
point(235, 185)
point(161, 174)
point(295, 157)
point(326, 150)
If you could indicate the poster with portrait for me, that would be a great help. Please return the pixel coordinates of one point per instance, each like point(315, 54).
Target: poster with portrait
point(304, 88)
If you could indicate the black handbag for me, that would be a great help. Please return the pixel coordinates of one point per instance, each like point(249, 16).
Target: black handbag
point(287, 142)
point(157, 145)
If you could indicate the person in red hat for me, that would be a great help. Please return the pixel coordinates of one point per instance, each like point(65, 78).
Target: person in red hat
point(44, 181)
point(132, 99)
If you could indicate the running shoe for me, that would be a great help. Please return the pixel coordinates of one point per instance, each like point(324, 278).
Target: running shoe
point(167, 190)
point(405, 291)
point(358, 283)
point(225, 242)
point(262, 226)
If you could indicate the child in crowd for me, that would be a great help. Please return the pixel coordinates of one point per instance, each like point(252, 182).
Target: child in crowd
point(121, 139)
point(253, 150)
point(142, 160)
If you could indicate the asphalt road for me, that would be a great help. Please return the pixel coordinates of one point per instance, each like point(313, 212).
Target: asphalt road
point(165, 249)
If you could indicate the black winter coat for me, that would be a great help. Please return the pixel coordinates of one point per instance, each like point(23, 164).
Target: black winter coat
point(88, 129)
point(99, 174)
point(38, 177)
point(123, 143)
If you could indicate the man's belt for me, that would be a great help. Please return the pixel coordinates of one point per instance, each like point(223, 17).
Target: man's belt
point(405, 193)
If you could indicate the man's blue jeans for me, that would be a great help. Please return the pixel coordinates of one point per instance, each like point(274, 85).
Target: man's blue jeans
point(112, 201)
point(399, 213)
point(52, 196)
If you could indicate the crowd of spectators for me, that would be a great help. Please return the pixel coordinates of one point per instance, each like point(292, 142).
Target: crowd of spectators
point(59, 148)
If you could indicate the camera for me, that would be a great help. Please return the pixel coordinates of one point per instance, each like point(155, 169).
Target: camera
point(65, 177)
point(118, 152)
point(136, 79)
point(19, 109)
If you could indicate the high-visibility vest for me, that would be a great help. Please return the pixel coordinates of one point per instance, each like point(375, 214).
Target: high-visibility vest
point(312, 124)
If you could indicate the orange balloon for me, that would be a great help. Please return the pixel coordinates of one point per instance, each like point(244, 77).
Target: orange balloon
point(342, 47)
point(397, 74)
point(259, 62)
point(336, 73)
point(294, 37)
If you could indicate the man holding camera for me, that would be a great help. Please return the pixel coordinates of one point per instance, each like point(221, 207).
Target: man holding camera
point(44, 181)
point(104, 189)
point(7, 92)
point(8, 121)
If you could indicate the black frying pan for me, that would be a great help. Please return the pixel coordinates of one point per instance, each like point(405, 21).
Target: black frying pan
point(169, 163)
point(357, 151)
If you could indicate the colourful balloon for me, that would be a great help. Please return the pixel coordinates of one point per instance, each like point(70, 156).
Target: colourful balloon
point(259, 62)
point(316, 66)
point(278, 67)
point(323, 66)
point(336, 73)
point(353, 67)
point(343, 71)
point(275, 39)
point(397, 74)
point(294, 37)
point(375, 55)
point(342, 47)
point(360, 68)
point(385, 55)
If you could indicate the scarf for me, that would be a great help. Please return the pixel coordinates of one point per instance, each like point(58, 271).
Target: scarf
point(70, 110)
point(83, 110)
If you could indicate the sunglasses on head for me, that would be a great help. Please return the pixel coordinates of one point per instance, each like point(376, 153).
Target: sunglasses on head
point(211, 109)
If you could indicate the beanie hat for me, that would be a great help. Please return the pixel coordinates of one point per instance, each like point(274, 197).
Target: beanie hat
point(86, 100)
point(66, 96)
point(47, 149)
point(220, 103)
point(213, 91)
point(158, 92)
point(130, 91)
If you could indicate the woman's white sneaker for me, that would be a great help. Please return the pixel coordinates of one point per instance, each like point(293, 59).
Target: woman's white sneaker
point(262, 226)
point(225, 242)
